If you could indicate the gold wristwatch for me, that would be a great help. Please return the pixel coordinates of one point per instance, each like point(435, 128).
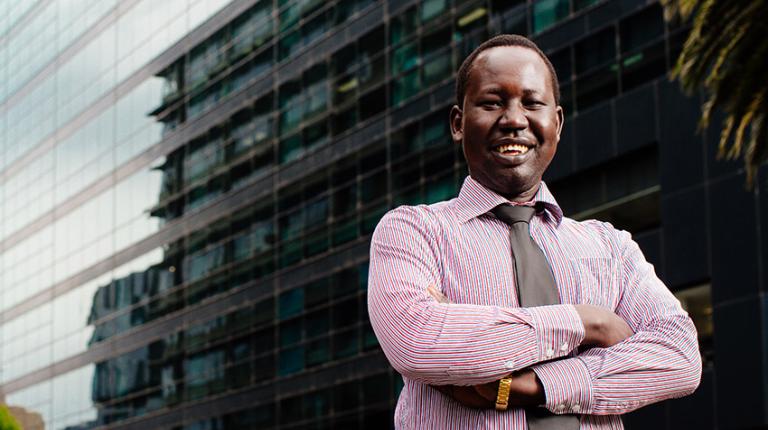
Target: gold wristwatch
point(502, 397)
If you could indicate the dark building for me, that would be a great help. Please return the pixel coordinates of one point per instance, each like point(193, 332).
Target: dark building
point(187, 193)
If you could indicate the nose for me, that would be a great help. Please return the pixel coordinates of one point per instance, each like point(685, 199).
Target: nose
point(513, 117)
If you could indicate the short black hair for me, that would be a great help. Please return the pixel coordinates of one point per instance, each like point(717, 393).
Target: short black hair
point(501, 40)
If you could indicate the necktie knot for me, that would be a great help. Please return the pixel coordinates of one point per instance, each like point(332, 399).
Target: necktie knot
point(514, 214)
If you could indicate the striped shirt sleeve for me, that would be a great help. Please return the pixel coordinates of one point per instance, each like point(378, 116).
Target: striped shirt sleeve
point(660, 361)
point(461, 344)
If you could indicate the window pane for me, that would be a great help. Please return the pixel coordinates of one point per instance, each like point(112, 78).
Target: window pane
point(317, 404)
point(697, 301)
point(345, 313)
point(344, 230)
point(561, 61)
point(405, 58)
point(407, 86)
point(437, 67)
point(344, 120)
point(642, 28)
point(403, 26)
point(345, 200)
point(582, 4)
point(290, 332)
point(432, 8)
point(547, 13)
point(513, 21)
point(596, 87)
point(346, 397)
point(291, 303)
point(441, 189)
point(373, 103)
point(290, 409)
point(316, 293)
point(318, 352)
point(314, 29)
point(597, 50)
point(376, 389)
point(291, 253)
point(318, 323)
point(315, 135)
point(289, 44)
point(289, 15)
point(643, 66)
point(291, 360)
point(290, 148)
point(373, 187)
point(345, 344)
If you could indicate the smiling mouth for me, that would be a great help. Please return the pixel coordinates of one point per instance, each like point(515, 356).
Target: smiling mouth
point(512, 149)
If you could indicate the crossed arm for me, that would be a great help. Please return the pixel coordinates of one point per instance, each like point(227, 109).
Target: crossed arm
point(643, 351)
point(602, 328)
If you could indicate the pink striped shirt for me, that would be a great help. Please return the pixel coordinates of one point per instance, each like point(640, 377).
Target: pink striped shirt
point(483, 335)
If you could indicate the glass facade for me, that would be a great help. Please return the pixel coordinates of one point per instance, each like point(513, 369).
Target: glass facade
point(188, 189)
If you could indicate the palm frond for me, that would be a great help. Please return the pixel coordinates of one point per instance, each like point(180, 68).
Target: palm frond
point(724, 55)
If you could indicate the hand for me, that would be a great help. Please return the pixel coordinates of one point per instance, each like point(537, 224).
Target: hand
point(466, 395)
point(437, 295)
point(602, 327)
point(525, 390)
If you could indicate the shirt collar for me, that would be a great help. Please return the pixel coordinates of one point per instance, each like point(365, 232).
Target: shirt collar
point(474, 200)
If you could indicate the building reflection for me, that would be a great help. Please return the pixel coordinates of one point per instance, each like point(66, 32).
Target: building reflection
point(212, 227)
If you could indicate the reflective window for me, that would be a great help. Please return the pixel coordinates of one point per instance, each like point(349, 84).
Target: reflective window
point(252, 29)
point(596, 68)
point(583, 4)
point(697, 301)
point(547, 13)
point(642, 47)
point(291, 303)
point(403, 26)
point(641, 28)
point(291, 360)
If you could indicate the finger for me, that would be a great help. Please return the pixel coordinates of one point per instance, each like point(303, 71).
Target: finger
point(437, 295)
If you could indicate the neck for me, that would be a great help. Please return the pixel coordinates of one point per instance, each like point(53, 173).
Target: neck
point(525, 196)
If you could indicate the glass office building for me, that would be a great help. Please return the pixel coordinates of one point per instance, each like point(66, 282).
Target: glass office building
point(188, 189)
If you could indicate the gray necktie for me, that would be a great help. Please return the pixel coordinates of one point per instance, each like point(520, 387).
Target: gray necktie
point(535, 287)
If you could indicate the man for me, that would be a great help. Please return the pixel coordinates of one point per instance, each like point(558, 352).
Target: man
point(449, 282)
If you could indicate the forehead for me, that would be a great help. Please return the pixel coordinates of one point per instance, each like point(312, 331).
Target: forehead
point(503, 65)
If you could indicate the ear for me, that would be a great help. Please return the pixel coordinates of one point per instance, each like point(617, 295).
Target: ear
point(457, 128)
point(560, 120)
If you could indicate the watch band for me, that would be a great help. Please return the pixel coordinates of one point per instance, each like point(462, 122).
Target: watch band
point(502, 397)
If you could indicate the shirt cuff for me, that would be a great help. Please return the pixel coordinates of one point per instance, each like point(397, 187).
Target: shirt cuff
point(559, 330)
point(567, 386)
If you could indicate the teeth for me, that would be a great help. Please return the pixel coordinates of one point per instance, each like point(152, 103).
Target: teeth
point(522, 149)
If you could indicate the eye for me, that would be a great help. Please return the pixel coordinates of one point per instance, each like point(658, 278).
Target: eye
point(490, 103)
point(535, 103)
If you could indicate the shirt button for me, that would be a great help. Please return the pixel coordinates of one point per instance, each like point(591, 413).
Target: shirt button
point(509, 364)
point(564, 347)
point(550, 352)
point(576, 408)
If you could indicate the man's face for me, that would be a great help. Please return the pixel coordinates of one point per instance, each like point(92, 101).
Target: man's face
point(510, 123)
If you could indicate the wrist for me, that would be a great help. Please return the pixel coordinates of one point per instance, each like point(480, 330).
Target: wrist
point(526, 389)
point(593, 324)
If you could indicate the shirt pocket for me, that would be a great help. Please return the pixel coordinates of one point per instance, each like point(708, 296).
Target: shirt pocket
point(597, 281)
